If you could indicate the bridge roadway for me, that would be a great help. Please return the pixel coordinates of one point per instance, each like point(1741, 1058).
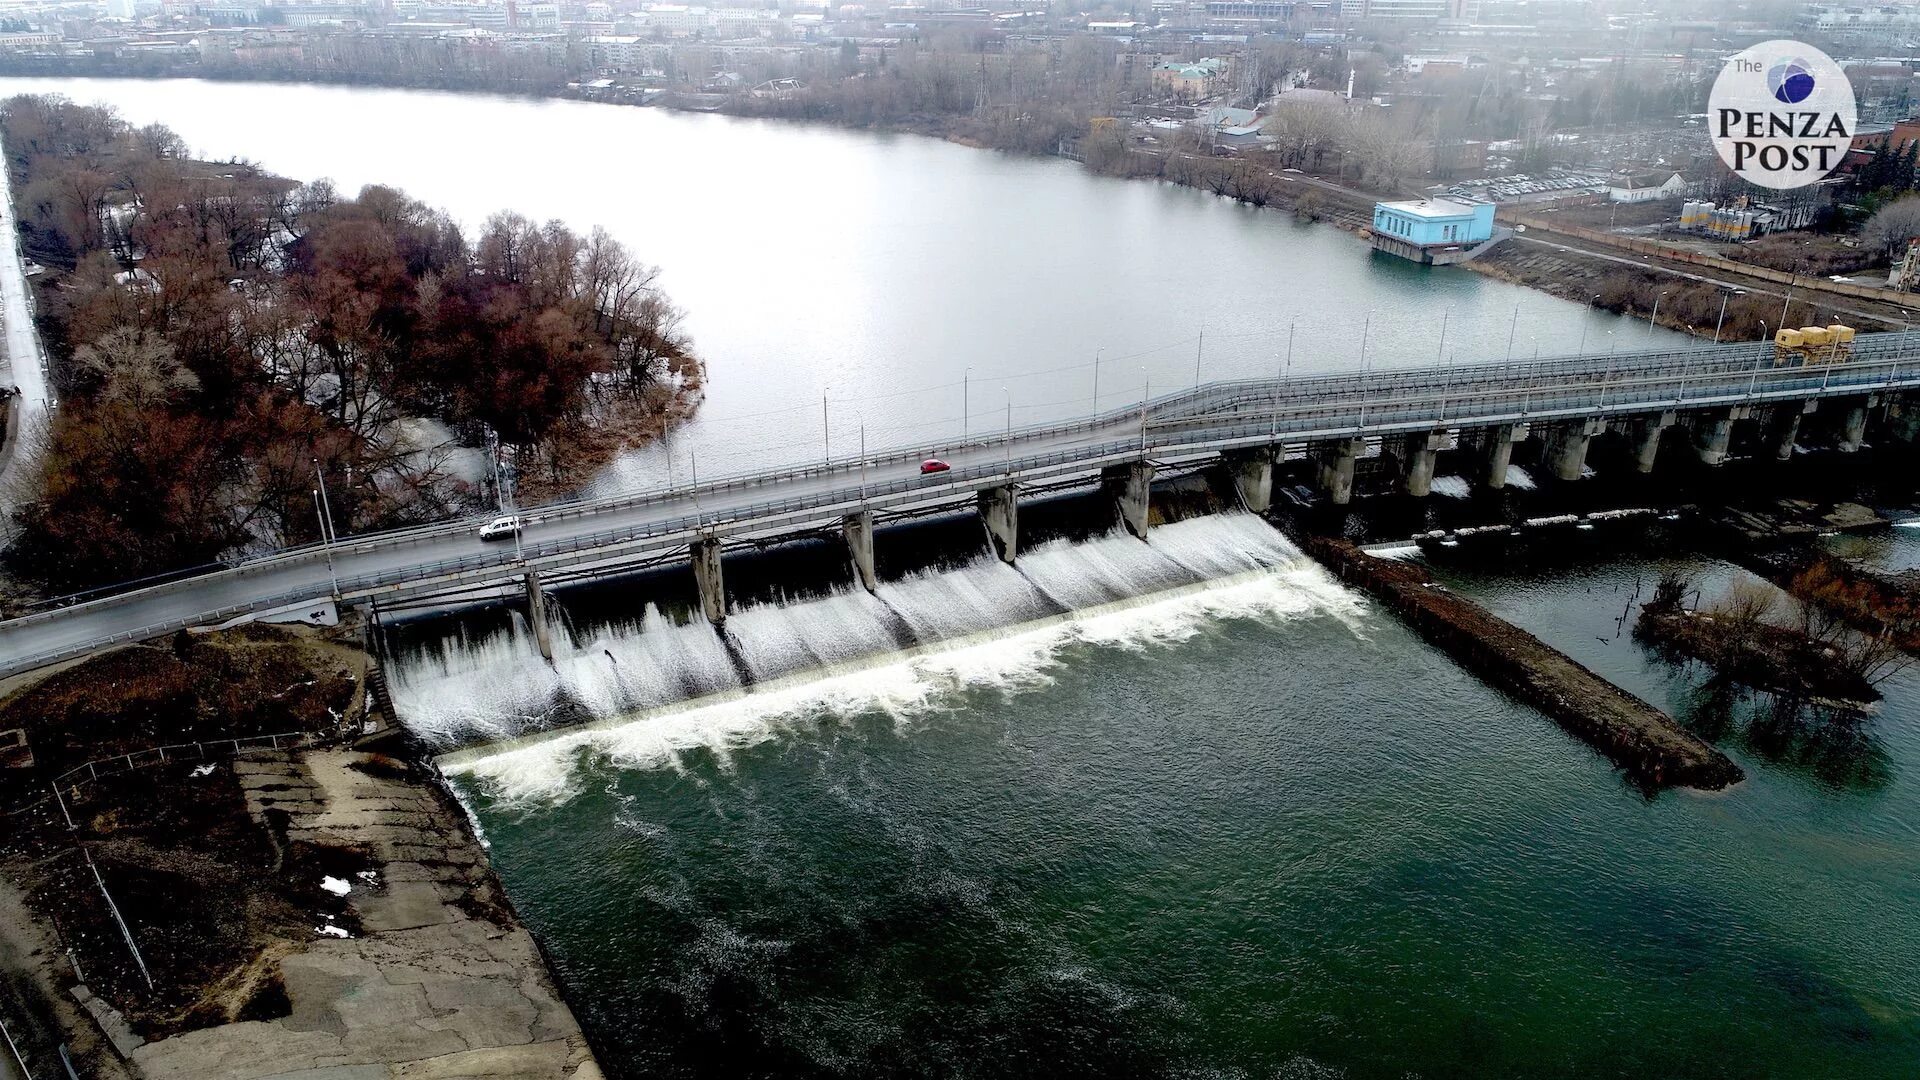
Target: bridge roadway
point(1183, 426)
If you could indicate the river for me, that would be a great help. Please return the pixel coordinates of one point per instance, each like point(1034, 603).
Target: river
point(874, 272)
point(1250, 827)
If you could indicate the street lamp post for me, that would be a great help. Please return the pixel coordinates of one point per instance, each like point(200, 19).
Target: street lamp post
point(1655, 317)
point(826, 434)
point(1583, 325)
point(325, 543)
point(1512, 328)
point(966, 382)
point(1444, 316)
point(1725, 294)
point(1096, 381)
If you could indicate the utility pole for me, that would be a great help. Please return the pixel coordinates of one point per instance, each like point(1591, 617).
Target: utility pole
point(1146, 395)
point(325, 543)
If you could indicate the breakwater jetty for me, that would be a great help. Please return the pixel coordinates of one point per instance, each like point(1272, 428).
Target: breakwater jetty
point(1646, 743)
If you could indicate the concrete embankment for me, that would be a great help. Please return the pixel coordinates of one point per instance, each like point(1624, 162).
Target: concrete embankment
point(1647, 743)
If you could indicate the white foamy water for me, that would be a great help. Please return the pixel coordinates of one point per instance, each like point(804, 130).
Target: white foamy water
point(1453, 487)
point(550, 767)
point(1519, 478)
point(496, 685)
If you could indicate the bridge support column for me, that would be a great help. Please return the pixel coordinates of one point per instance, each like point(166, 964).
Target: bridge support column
point(1496, 445)
point(1646, 439)
point(1132, 487)
point(1783, 427)
point(1903, 420)
point(1000, 511)
point(1565, 453)
point(1252, 473)
point(1713, 433)
point(858, 529)
point(1417, 454)
point(709, 580)
point(537, 615)
point(1853, 427)
point(1336, 468)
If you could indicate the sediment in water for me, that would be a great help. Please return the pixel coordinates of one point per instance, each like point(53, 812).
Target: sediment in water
point(1648, 744)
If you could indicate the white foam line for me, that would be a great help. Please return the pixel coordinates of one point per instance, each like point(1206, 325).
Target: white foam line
point(541, 767)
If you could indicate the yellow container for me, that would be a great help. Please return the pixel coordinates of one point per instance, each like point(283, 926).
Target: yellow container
point(1790, 339)
point(1842, 333)
point(1815, 335)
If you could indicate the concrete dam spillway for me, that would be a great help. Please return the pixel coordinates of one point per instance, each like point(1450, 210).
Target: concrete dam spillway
point(494, 685)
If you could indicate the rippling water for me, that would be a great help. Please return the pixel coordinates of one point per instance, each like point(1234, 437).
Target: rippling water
point(1254, 831)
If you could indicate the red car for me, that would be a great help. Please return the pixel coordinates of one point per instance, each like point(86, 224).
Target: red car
point(933, 465)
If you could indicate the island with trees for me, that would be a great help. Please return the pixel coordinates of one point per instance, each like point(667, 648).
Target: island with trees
point(223, 340)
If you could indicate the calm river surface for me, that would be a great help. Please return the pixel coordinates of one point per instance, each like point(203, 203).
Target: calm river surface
point(1253, 830)
point(878, 270)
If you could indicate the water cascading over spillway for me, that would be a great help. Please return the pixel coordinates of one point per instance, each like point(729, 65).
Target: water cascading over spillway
point(495, 686)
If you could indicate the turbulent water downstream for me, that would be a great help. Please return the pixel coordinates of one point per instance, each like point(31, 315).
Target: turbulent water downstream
point(1184, 808)
point(1253, 828)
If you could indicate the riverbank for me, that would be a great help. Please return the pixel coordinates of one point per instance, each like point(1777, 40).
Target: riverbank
point(289, 902)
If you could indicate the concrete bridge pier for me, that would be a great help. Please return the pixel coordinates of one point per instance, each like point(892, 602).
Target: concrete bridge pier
point(1783, 428)
point(1000, 512)
point(1496, 446)
point(1132, 487)
point(1252, 472)
point(1565, 452)
point(1853, 426)
point(1647, 431)
point(1417, 454)
point(1903, 420)
point(1713, 433)
point(537, 615)
point(858, 529)
point(1336, 461)
point(708, 579)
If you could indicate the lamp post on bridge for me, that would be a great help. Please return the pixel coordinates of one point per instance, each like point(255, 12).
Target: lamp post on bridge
point(826, 435)
point(1096, 381)
point(1009, 394)
point(1725, 295)
point(1583, 324)
point(1365, 330)
point(1654, 318)
point(1512, 328)
point(1146, 395)
point(325, 543)
point(1444, 316)
point(966, 381)
point(1607, 377)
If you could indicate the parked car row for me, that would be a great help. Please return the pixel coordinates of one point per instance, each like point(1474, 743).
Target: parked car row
point(1513, 187)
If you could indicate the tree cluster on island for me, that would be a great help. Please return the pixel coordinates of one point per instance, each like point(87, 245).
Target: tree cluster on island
point(223, 340)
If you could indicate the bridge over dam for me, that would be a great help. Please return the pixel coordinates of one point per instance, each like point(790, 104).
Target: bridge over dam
point(1412, 413)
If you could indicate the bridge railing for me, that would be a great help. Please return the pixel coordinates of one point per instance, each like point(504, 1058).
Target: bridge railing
point(1362, 403)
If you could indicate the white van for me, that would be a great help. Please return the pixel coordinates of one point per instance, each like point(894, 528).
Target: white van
point(501, 527)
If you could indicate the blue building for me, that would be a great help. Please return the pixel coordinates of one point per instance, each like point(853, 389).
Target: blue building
point(1435, 231)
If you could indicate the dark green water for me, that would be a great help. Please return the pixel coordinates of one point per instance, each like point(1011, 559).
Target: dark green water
point(1262, 833)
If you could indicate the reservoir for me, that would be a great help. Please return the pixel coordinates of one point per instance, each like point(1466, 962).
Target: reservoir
point(1186, 808)
point(902, 280)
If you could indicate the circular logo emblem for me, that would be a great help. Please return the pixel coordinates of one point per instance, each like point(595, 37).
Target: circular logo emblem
point(1790, 81)
point(1782, 114)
